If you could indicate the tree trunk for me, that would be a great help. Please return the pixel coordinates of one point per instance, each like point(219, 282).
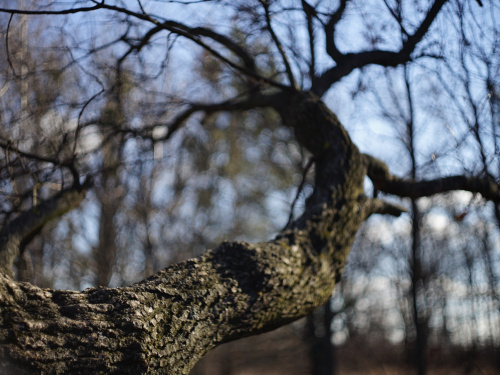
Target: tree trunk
point(417, 281)
point(167, 322)
point(321, 349)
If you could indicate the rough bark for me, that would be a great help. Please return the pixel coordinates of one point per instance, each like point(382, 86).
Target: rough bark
point(166, 323)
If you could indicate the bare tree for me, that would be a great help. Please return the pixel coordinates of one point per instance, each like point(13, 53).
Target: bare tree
point(166, 322)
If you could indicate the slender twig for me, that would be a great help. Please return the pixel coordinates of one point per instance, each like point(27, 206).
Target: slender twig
point(140, 6)
point(80, 114)
point(279, 46)
point(7, 46)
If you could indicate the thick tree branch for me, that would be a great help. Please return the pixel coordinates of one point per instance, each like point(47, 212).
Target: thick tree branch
point(384, 181)
point(352, 61)
point(167, 322)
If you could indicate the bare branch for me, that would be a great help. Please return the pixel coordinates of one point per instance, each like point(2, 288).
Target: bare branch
point(52, 12)
point(384, 181)
point(278, 44)
point(331, 47)
point(414, 39)
point(310, 13)
point(379, 206)
point(193, 35)
point(22, 229)
point(346, 63)
point(9, 145)
point(254, 101)
point(247, 59)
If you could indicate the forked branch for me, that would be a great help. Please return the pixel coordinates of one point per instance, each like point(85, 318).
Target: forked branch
point(347, 62)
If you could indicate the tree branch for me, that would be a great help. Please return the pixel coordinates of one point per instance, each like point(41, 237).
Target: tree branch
point(310, 13)
point(20, 231)
point(248, 69)
point(379, 206)
point(331, 47)
point(413, 40)
point(9, 145)
point(279, 46)
point(384, 181)
point(346, 63)
point(168, 321)
point(52, 12)
point(254, 101)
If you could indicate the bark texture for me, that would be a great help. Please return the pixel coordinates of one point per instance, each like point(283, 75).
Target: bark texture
point(169, 321)
point(166, 323)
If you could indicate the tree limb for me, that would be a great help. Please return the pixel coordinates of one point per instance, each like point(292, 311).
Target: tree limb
point(331, 47)
point(310, 13)
point(279, 46)
point(384, 181)
point(165, 323)
point(52, 12)
point(253, 101)
point(379, 206)
point(346, 63)
point(17, 233)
